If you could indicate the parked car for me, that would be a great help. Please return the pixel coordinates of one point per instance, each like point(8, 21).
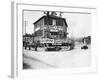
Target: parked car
point(84, 47)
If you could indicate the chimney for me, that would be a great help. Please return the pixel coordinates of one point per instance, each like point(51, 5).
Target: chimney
point(60, 14)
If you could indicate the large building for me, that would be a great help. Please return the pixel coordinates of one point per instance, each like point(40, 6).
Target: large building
point(50, 29)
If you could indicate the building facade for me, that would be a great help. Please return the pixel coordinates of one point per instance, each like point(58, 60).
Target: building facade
point(50, 29)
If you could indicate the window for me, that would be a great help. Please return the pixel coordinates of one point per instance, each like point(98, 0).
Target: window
point(59, 22)
point(48, 21)
point(54, 33)
point(38, 33)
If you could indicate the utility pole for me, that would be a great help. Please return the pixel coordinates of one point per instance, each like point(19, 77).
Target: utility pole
point(25, 24)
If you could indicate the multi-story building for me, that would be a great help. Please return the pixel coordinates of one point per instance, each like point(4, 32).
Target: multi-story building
point(50, 29)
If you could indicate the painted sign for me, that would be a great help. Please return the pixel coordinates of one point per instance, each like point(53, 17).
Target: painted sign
point(46, 40)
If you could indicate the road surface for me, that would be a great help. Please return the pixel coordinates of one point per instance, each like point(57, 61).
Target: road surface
point(62, 59)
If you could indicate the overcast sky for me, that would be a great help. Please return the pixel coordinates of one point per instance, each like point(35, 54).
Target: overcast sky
point(79, 24)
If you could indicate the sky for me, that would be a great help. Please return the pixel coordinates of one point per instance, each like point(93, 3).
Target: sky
point(79, 24)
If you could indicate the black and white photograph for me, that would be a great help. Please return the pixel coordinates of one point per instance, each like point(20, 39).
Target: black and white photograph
point(54, 39)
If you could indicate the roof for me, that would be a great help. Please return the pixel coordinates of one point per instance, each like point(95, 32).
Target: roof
point(53, 17)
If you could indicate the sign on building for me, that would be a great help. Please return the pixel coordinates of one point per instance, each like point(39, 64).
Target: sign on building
point(46, 40)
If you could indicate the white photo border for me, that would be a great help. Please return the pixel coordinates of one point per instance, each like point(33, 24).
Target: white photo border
point(17, 68)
